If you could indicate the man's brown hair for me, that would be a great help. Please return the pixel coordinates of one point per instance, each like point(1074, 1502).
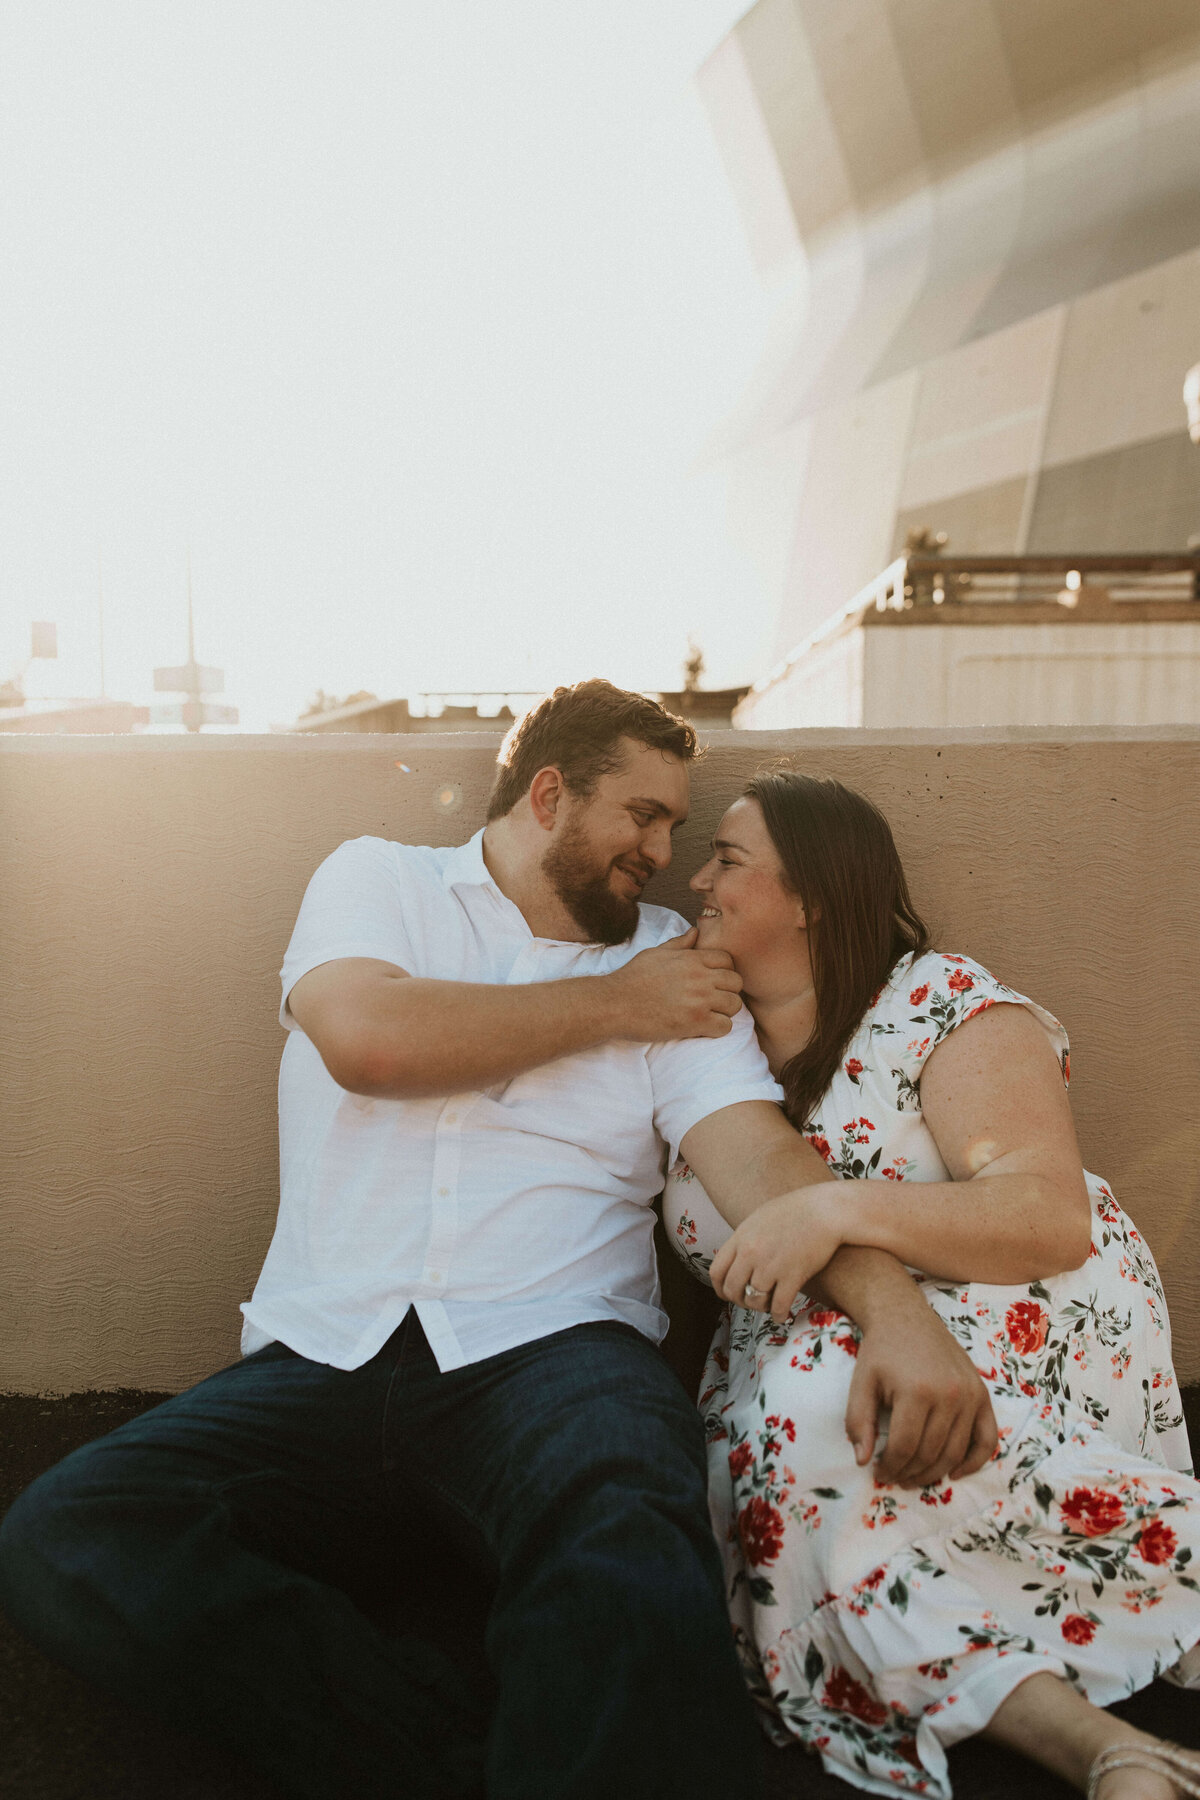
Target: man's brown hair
point(578, 730)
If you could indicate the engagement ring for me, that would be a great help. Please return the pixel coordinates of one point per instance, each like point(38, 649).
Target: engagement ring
point(753, 1293)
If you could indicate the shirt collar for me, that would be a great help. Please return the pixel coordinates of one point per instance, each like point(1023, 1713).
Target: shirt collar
point(465, 867)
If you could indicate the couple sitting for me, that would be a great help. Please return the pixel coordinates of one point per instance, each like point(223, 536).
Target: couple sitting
point(945, 1503)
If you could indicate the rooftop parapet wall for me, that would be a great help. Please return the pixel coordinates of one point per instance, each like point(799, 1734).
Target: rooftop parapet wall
point(149, 888)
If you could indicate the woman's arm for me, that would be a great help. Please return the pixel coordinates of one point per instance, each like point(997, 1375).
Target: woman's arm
point(941, 1417)
point(1017, 1208)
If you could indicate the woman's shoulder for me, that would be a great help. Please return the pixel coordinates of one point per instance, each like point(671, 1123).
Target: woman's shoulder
point(927, 996)
point(939, 978)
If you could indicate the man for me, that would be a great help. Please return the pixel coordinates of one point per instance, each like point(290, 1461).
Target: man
point(449, 1355)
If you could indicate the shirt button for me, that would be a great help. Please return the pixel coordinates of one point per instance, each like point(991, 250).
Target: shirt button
point(436, 1278)
point(443, 1193)
point(451, 1118)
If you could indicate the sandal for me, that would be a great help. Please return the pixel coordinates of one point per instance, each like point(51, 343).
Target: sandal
point(1163, 1759)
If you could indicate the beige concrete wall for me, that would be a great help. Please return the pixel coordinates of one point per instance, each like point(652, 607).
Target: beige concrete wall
point(148, 888)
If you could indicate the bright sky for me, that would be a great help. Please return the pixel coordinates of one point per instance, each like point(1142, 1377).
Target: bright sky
point(410, 321)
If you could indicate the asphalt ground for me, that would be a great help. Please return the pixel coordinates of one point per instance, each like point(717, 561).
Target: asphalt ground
point(60, 1739)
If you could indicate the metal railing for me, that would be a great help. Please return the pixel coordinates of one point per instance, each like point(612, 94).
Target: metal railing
point(955, 582)
point(1065, 579)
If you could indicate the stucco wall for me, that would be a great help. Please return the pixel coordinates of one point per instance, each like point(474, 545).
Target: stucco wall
point(148, 888)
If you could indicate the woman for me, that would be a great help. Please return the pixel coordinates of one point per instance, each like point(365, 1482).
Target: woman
point(877, 1624)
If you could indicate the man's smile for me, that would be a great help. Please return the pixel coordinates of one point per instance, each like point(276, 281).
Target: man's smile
point(637, 873)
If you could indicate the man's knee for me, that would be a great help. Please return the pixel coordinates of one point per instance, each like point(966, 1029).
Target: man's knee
point(55, 1537)
point(33, 1543)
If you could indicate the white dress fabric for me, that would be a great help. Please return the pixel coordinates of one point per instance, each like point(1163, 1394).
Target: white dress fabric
point(879, 1625)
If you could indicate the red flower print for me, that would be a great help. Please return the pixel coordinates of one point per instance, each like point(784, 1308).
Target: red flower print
point(845, 1694)
point(1156, 1542)
point(824, 1315)
point(960, 982)
point(854, 1068)
point(982, 1007)
point(1025, 1323)
point(1078, 1630)
point(820, 1145)
point(760, 1528)
point(740, 1460)
point(919, 994)
point(1092, 1512)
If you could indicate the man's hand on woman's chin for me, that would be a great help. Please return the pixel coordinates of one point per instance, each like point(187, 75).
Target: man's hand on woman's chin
point(942, 1424)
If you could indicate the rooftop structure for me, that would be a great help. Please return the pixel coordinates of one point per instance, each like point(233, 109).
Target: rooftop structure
point(480, 712)
point(979, 223)
point(945, 641)
point(709, 708)
point(53, 715)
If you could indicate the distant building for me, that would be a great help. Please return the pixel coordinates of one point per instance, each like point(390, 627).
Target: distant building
point(398, 716)
point(71, 715)
point(951, 641)
point(710, 709)
point(979, 221)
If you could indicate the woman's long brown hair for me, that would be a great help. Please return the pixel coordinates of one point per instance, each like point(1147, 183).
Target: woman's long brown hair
point(840, 858)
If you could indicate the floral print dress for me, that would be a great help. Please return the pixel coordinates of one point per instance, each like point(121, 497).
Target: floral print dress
point(877, 1624)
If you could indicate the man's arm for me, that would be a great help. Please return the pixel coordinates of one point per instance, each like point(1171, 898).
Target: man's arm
point(941, 1417)
point(389, 1035)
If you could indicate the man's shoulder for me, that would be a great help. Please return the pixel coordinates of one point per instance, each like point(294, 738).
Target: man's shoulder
point(655, 925)
point(418, 859)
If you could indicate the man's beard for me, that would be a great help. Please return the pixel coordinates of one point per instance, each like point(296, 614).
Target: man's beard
point(583, 887)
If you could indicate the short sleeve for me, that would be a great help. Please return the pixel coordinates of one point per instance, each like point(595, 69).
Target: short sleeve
point(353, 906)
point(932, 995)
point(693, 1077)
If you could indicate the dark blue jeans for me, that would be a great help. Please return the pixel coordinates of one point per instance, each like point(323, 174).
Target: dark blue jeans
point(229, 1560)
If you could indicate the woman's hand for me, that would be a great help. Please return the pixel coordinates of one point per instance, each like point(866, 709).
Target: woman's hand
point(775, 1252)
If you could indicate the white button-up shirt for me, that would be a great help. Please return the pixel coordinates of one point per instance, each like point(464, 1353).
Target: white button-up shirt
point(501, 1215)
